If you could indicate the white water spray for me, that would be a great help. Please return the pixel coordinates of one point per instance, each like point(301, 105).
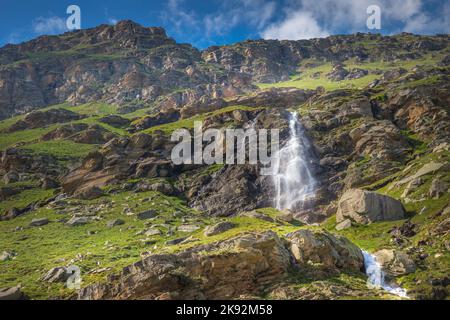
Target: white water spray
point(376, 276)
point(293, 180)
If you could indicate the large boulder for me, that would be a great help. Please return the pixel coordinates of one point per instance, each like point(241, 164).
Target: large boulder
point(154, 167)
point(379, 139)
point(6, 192)
point(395, 262)
point(204, 104)
point(163, 117)
point(338, 73)
point(231, 190)
point(13, 293)
point(216, 229)
point(323, 248)
point(39, 222)
point(94, 134)
point(78, 221)
point(438, 188)
point(242, 265)
point(64, 131)
point(89, 193)
point(56, 274)
point(365, 207)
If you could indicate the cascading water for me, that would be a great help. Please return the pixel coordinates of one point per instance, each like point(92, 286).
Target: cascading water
point(376, 276)
point(293, 180)
point(294, 184)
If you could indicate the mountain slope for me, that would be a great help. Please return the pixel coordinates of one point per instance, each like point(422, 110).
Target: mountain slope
point(88, 180)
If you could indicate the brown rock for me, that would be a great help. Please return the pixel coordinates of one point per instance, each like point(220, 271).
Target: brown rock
point(57, 274)
point(221, 227)
point(224, 272)
point(347, 223)
point(89, 193)
point(364, 207)
point(395, 262)
point(13, 293)
point(321, 247)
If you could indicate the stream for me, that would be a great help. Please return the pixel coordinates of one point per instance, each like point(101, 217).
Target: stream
point(376, 276)
point(294, 183)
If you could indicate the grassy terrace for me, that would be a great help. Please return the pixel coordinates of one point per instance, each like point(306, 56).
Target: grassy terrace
point(305, 79)
point(30, 139)
point(95, 246)
point(188, 123)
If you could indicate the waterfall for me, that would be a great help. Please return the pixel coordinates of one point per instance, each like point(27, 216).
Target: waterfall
point(376, 276)
point(294, 184)
point(292, 177)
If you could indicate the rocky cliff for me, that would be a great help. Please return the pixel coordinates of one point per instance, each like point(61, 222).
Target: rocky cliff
point(88, 180)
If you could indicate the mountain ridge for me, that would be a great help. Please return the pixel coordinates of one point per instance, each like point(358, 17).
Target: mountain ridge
point(87, 177)
point(127, 55)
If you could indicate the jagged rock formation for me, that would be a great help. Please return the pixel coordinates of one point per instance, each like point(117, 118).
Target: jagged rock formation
point(133, 66)
point(138, 63)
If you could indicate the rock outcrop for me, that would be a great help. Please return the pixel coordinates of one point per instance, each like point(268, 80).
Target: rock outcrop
point(244, 265)
point(364, 207)
point(395, 262)
point(13, 293)
point(40, 119)
point(331, 252)
point(250, 263)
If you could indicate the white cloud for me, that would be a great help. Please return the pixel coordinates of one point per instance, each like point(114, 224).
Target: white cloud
point(180, 18)
point(109, 18)
point(51, 25)
point(299, 25)
point(228, 15)
point(423, 22)
point(300, 19)
point(112, 20)
point(254, 13)
point(306, 18)
point(13, 38)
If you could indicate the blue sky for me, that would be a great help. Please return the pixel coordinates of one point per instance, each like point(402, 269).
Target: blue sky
point(214, 22)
